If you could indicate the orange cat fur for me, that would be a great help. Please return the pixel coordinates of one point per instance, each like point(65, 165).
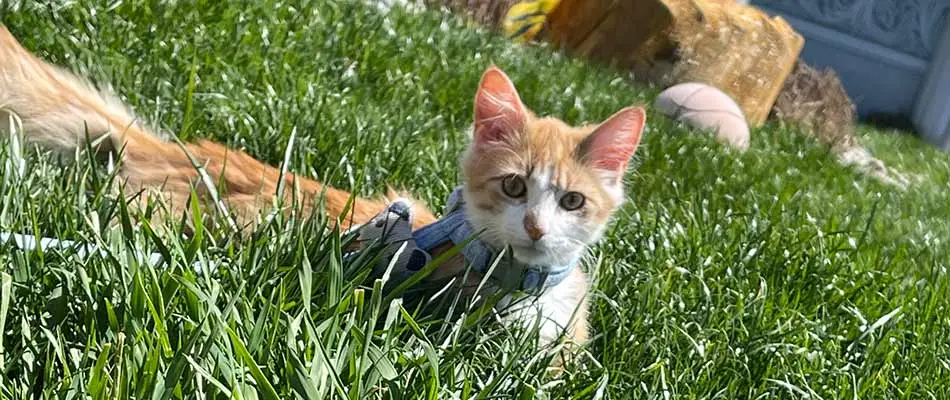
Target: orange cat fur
point(57, 108)
point(551, 161)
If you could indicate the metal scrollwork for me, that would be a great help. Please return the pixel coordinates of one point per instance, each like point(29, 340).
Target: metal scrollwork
point(908, 26)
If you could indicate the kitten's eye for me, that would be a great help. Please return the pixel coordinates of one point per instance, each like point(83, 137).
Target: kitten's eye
point(513, 186)
point(572, 201)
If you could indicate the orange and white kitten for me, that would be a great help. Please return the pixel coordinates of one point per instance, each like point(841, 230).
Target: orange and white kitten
point(538, 185)
point(546, 191)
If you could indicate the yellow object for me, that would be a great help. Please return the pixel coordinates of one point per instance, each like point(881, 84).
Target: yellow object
point(525, 19)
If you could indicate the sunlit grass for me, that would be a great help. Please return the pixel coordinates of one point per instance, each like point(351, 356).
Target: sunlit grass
point(770, 273)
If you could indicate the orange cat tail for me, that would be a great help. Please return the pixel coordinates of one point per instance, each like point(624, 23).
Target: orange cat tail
point(58, 111)
point(56, 108)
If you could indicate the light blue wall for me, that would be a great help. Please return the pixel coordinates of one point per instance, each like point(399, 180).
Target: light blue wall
point(880, 49)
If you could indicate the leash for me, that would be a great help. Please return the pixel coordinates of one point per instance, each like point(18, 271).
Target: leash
point(30, 243)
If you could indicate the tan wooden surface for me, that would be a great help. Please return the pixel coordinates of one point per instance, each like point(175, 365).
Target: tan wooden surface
point(734, 47)
point(606, 30)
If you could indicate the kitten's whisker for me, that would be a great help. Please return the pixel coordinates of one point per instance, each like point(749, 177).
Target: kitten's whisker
point(577, 242)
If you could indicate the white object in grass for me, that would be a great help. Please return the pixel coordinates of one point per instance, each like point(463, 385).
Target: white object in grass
point(29, 243)
point(705, 107)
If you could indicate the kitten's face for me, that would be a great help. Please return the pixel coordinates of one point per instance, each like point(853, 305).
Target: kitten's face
point(545, 188)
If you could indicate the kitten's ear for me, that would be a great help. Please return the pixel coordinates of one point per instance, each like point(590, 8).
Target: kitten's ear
point(498, 109)
point(610, 147)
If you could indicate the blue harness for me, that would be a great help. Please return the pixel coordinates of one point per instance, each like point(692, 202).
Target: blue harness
point(454, 228)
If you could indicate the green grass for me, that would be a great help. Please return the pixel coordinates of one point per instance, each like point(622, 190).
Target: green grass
point(773, 273)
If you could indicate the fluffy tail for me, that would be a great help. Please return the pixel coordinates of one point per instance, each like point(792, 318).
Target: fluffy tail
point(58, 111)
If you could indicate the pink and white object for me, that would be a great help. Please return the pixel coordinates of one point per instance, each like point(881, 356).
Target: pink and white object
point(705, 107)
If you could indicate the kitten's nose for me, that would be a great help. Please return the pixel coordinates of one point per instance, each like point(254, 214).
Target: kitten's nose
point(531, 227)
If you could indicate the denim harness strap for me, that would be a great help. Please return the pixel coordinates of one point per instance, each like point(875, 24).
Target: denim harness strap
point(454, 228)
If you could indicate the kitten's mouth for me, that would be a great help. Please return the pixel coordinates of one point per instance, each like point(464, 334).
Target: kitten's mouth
point(539, 254)
point(528, 254)
point(526, 249)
